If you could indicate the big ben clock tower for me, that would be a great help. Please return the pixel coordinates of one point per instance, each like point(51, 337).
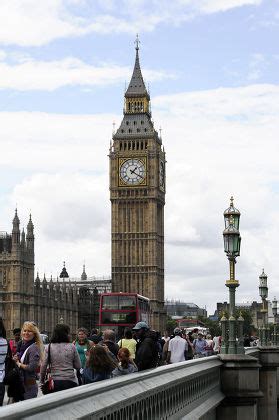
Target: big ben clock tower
point(137, 194)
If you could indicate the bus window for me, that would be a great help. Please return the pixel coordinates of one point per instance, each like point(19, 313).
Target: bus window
point(127, 302)
point(119, 318)
point(110, 302)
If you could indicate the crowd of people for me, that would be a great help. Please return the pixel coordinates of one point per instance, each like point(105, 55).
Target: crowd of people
point(25, 363)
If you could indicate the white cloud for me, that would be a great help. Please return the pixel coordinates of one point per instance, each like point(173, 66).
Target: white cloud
point(29, 74)
point(35, 23)
point(213, 6)
point(218, 143)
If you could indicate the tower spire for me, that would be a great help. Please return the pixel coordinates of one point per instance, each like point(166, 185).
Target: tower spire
point(84, 275)
point(136, 86)
point(137, 42)
point(30, 234)
point(15, 231)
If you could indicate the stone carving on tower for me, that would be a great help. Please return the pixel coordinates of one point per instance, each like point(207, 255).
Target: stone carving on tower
point(17, 275)
point(137, 194)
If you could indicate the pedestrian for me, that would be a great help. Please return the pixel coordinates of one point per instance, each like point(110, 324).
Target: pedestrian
point(128, 342)
point(28, 358)
point(146, 349)
point(165, 352)
point(126, 364)
point(64, 359)
point(109, 341)
point(178, 347)
point(216, 344)
point(95, 339)
point(3, 356)
point(199, 345)
point(94, 333)
point(195, 332)
point(209, 345)
point(13, 343)
point(82, 345)
point(190, 351)
point(99, 365)
point(166, 336)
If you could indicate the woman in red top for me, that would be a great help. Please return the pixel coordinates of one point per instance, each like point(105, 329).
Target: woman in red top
point(14, 343)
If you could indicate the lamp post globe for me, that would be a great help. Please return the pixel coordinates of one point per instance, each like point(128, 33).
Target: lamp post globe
point(263, 292)
point(234, 212)
point(263, 289)
point(232, 241)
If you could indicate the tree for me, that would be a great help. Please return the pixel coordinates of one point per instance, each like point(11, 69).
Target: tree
point(213, 326)
point(248, 327)
point(170, 325)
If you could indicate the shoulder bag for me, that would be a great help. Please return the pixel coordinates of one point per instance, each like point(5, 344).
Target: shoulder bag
point(48, 384)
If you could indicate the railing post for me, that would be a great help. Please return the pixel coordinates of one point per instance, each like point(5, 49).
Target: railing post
point(240, 346)
point(224, 327)
point(240, 384)
point(269, 360)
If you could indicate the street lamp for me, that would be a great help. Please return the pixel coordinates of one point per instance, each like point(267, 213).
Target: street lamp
point(263, 292)
point(274, 312)
point(232, 241)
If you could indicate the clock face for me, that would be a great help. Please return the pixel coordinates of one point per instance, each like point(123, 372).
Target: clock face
point(133, 171)
point(162, 175)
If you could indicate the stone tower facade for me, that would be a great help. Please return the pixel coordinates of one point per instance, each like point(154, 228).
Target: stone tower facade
point(46, 302)
point(17, 275)
point(137, 194)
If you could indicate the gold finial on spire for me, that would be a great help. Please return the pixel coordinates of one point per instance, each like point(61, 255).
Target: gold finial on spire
point(137, 42)
point(232, 201)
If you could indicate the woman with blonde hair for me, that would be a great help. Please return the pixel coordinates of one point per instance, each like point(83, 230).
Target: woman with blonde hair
point(28, 358)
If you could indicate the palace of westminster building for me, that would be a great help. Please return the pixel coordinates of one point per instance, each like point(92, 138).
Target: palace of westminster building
point(137, 194)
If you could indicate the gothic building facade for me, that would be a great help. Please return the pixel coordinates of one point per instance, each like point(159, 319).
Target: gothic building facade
point(43, 301)
point(137, 194)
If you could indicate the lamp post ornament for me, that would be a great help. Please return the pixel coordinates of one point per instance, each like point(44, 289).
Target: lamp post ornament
point(232, 241)
point(263, 292)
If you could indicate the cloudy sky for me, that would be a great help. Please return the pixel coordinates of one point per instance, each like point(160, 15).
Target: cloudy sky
point(213, 71)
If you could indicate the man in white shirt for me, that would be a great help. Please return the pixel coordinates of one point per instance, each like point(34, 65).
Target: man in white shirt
point(177, 348)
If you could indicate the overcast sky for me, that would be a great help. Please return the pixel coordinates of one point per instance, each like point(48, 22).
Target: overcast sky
point(213, 71)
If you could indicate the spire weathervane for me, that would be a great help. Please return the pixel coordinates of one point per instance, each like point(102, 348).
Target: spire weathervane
point(137, 42)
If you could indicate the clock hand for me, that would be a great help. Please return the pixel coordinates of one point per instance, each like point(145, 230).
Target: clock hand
point(133, 172)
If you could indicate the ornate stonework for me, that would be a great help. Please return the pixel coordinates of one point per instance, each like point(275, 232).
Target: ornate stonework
point(137, 193)
point(43, 301)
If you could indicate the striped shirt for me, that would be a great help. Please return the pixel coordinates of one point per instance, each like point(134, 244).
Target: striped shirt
point(3, 355)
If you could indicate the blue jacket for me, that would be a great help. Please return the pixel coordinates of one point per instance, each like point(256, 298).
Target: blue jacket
point(90, 376)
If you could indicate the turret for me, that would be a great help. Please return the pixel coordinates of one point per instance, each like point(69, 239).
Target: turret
point(64, 275)
point(84, 275)
point(15, 232)
point(22, 244)
point(30, 235)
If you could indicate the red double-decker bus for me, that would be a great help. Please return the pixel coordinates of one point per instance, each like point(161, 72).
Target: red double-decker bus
point(122, 310)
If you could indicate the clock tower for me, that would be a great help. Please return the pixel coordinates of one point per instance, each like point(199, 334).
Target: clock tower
point(137, 194)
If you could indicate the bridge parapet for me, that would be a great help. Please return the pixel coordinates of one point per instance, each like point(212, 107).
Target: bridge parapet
point(190, 390)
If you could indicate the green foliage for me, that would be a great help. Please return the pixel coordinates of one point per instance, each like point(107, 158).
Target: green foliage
point(248, 327)
point(170, 325)
point(213, 326)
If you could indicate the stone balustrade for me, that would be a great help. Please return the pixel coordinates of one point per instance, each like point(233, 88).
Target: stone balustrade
point(188, 390)
point(231, 387)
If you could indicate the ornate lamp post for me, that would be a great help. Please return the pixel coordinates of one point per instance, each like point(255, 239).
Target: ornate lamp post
point(274, 312)
point(232, 242)
point(263, 291)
